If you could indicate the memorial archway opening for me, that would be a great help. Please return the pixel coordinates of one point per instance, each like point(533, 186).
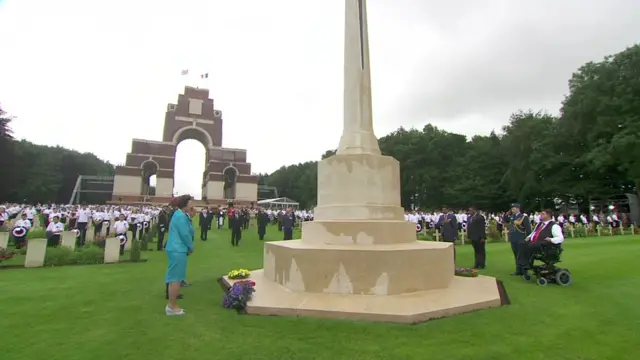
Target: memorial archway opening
point(190, 125)
point(149, 170)
point(230, 175)
point(190, 168)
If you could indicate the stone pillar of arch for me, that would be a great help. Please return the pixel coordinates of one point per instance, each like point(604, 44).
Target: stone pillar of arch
point(192, 117)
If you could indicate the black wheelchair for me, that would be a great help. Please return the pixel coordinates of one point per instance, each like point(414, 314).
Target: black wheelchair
point(546, 271)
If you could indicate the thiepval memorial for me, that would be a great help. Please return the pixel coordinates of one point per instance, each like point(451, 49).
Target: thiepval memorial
point(359, 258)
point(227, 176)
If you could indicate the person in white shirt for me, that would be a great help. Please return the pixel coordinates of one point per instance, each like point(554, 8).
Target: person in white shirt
point(54, 229)
point(25, 224)
point(120, 227)
point(98, 218)
point(84, 215)
point(134, 224)
point(4, 216)
point(596, 220)
point(546, 233)
point(31, 213)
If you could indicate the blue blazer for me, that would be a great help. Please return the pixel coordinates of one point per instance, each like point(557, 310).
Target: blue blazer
point(180, 233)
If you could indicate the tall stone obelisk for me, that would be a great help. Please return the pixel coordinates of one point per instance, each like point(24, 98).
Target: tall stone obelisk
point(357, 133)
point(359, 258)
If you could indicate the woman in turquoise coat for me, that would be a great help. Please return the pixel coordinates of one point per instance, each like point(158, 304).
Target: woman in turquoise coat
point(179, 245)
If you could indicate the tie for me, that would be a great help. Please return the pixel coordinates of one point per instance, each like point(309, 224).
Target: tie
point(538, 231)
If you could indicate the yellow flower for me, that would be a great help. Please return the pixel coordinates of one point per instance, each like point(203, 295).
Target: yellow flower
point(239, 273)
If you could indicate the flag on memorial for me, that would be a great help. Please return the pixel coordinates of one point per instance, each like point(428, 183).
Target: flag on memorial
point(184, 72)
point(204, 76)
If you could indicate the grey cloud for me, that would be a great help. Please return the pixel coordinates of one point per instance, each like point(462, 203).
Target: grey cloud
point(508, 55)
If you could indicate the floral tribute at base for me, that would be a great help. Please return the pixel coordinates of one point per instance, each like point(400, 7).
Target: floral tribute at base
point(466, 272)
point(238, 295)
point(238, 274)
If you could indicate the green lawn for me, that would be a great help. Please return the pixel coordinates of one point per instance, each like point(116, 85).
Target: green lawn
point(116, 312)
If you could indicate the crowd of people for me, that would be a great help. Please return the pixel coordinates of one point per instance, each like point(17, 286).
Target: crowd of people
point(430, 219)
point(121, 219)
point(528, 234)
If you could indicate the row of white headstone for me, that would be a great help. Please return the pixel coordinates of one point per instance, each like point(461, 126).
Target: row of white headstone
point(37, 248)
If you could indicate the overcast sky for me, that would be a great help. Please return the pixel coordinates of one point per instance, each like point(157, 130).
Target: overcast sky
point(92, 75)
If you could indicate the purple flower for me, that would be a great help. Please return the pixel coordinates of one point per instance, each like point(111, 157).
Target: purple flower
point(238, 295)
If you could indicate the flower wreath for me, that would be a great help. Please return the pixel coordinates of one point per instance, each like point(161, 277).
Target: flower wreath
point(238, 274)
point(466, 272)
point(238, 295)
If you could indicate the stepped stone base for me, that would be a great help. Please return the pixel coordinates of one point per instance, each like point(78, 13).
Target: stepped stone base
point(461, 296)
point(359, 269)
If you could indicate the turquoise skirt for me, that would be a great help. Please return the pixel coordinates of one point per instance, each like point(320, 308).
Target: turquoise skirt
point(177, 269)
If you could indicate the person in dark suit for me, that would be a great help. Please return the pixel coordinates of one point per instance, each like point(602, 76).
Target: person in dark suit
point(280, 217)
point(210, 217)
point(220, 218)
point(163, 226)
point(246, 218)
point(476, 230)
point(235, 222)
point(205, 224)
point(288, 223)
point(519, 227)
point(263, 220)
point(448, 226)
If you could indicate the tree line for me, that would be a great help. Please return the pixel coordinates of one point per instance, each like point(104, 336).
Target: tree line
point(34, 173)
point(590, 150)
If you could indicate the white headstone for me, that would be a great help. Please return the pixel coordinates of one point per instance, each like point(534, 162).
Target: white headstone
point(111, 250)
point(67, 239)
point(36, 250)
point(4, 240)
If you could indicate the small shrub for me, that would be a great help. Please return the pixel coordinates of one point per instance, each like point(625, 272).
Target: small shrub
point(144, 242)
point(90, 254)
point(493, 235)
point(37, 233)
point(100, 241)
point(58, 256)
point(135, 250)
point(86, 255)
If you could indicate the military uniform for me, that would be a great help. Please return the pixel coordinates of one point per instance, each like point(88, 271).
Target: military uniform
point(519, 227)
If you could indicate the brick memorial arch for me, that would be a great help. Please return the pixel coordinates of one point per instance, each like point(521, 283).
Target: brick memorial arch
point(227, 175)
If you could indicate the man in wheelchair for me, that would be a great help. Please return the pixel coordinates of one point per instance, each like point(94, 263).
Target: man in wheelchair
point(544, 244)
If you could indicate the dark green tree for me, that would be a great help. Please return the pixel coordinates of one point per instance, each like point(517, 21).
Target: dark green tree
point(601, 119)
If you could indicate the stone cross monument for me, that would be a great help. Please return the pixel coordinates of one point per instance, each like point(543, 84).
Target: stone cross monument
point(357, 133)
point(359, 258)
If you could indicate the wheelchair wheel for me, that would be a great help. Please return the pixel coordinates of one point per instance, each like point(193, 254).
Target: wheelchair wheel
point(563, 277)
point(542, 281)
point(526, 277)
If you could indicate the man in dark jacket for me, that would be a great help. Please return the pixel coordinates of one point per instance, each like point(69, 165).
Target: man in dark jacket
point(236, 222)
point(163, 226)
point(205, 224)
point(476, 230)
point(263, 220)
point(448, 226)
point(288, 223)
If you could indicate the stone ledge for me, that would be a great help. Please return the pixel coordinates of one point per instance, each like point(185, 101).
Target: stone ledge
point(361, 232)
point(462, 296)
